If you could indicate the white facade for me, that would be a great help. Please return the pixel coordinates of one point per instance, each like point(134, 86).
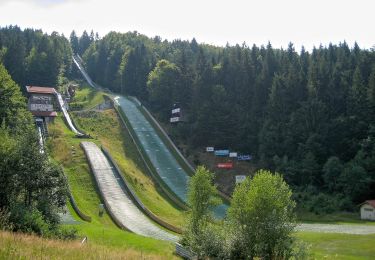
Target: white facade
point(367, 212)
point(41, 102)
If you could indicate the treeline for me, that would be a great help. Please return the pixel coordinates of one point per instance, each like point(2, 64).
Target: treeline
point(35, 58)
point(32, 189)
point(308, 115)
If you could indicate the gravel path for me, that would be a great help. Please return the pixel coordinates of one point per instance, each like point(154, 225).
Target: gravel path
point(336, 228)
point(118, 200)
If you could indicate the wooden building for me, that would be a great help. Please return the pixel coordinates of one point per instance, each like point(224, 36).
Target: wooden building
point(42, 102)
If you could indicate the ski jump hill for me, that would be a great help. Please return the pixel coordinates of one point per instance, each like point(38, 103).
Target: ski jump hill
point(169, 171)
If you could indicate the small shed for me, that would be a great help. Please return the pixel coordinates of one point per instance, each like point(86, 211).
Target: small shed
point(367, 209)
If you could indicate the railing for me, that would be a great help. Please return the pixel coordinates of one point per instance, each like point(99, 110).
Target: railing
point(185, 253)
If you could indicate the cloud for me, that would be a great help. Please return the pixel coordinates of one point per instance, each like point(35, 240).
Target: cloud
point(211, 21)
point(41, 3)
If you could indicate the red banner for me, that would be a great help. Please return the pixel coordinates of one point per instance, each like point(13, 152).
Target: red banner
point(227, 165)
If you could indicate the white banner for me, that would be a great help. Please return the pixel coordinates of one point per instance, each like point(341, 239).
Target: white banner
point(174, 119)
point(41, 107)
point(210, 149)
point(41, 98)
point(176, 110)
point(240, 178)
point(233, 154)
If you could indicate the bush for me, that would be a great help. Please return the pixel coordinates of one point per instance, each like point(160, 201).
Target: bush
point(5, 223)
point(66, 233)
point(262, 218)
point(77, 105)
point(28, 220)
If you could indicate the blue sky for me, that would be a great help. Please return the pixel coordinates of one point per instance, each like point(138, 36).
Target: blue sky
point(308, 23)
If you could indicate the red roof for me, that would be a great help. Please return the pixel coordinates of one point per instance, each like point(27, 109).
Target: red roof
point(44, 113)
point(41, 90)
point(370, 202)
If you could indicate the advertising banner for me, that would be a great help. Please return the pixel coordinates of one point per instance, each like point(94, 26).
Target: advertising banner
point(176, 110)
point(240, 178)
point(227, 165)
point(209, 149)
point(244, 157)
point(222, 152)
point(174, 119)
point(232, 154)
point(41, 107)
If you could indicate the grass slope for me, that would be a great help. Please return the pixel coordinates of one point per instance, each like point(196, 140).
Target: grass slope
point(87, 97)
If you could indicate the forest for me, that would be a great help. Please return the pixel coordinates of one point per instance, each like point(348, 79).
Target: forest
point(33, 188)
point(308, 114)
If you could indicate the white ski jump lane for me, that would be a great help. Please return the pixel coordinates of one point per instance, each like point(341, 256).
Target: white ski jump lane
point(118, 200)
point(66, 115)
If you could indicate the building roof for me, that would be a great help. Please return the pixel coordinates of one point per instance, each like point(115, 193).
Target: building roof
point(40, 90)
point(44, 113)
point(370, 202)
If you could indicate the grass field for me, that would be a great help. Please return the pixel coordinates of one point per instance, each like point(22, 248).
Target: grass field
point(339, 246)
point(20, 246)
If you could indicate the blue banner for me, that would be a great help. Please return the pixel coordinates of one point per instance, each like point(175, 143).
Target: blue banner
point(244, 157)
point(222, 152)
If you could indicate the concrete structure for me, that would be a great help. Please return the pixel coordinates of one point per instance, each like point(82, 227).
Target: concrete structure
point(42, 102)
point(368, 210)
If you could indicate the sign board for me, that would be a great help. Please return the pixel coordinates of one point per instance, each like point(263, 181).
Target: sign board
point(233, 155)
point(176, 110)
point(222, 152)
point(210, 149)
point(36, 98)
point(244, 157)
point(101, 209)
point(174, 119)
point(41, 107)
point(227, 165)
point(240, 178)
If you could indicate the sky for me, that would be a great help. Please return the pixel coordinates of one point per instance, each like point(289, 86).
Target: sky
point(217, 22)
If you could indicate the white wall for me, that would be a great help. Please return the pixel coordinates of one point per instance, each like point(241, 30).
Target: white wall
point(367, 212)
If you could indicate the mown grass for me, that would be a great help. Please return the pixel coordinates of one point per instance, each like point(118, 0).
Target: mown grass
point(339, 246)
point(21, 246)
point(87, 97)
